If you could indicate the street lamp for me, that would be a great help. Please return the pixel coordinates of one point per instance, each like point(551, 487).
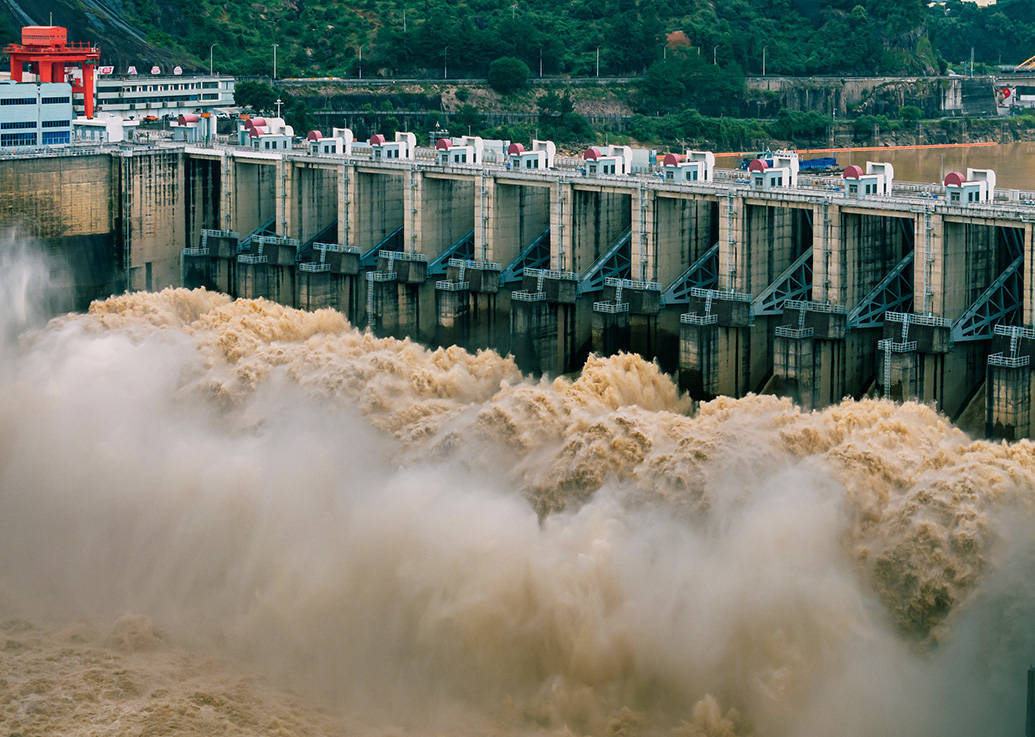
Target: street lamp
point(360, 50)
point(275, 60)
point(445, 63)
point(210, 47)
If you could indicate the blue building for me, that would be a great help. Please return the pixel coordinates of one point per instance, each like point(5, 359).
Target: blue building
point(34, 115)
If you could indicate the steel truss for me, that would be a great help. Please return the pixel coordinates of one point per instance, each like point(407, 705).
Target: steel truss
point(894, 293)
point(462, 249)
point(616, 263)
point(794, 283)
point(703, 274)
point(536, 255)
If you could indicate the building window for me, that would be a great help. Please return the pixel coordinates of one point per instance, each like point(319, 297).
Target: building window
point(17, 125)
point(54, 138)
point(17, 139)
point(56, 123)
point(18, 101)
point(57, 100)
point(954, 197)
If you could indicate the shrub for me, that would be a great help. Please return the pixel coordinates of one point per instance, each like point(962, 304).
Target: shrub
point(508, 74)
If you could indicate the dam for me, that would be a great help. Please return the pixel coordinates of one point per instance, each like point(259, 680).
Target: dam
point(801, 288)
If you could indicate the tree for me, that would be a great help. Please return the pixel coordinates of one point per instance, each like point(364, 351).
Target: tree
point(911, 113)
point(508, 74)
point(258, 96)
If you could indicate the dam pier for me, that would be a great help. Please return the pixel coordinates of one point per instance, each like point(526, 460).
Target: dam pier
point(768, 280)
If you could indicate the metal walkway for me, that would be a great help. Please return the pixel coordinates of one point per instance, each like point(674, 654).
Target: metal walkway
point(391, 242)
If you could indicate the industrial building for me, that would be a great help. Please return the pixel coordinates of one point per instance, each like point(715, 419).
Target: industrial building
point(34, 115)
point(142, 95)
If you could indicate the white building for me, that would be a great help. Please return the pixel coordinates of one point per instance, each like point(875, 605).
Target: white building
point(403, 147)
point(104, 128)
point(463, 150)
point(607, 160)
point(876, 181)
point(978, 186)
point(194, 128)
point(339, 143)
point(265, 134)
point(783, 172)
point(35, 114)
point(540, 157)
point(693, 166)
point(141, 95)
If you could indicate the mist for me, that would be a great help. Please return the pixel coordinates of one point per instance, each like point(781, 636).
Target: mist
point(425, 540)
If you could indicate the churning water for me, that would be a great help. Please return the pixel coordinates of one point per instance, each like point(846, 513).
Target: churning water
point(238, 518)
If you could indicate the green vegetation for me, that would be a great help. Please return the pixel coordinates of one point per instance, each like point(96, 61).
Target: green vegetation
point(430, 38)
point(508, 74)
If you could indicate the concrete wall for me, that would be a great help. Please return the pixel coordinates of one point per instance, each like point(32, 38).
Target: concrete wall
point(773, 237)
point(254, 188)
point(870, 247)
point(599, 219)
point(683, 230)
point(71, 205)
point(446, 213)
point(518, 215)
point(312, 199)
point(153, 232)
point(374, 208)
point(201, 194)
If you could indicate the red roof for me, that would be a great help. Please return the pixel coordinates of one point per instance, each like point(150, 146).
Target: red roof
point(757, 165)
point(314, 136)
point(592, 154)
point(672, 159)
point(514, 149)
point(443, 144)
point(252, 122)
point(954, 177)
point(377, 140)
point(852, 172)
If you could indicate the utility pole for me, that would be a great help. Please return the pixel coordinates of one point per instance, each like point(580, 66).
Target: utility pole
point(598, 61)
point(275, 60)
point(715, 55)
point(445, 63)
point(210, 47)
point(765, 51)
point(360, 49)
point(971, 61)
point(404, 20)
point(540, 62)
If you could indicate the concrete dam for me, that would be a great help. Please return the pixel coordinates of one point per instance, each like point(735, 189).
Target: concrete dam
point(739, 285)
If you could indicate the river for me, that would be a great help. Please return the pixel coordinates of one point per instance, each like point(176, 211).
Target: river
point(1014, 163)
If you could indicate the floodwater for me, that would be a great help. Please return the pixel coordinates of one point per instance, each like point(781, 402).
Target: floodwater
point(238, 518)
point(1014, 163)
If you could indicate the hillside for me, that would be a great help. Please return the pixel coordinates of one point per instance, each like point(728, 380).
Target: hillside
point(629, 37)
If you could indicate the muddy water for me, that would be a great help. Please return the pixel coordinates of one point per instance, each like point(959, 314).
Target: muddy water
point(1014, 163)
point(424, 542)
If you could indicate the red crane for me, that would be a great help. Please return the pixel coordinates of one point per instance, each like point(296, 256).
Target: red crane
point(47, 49)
